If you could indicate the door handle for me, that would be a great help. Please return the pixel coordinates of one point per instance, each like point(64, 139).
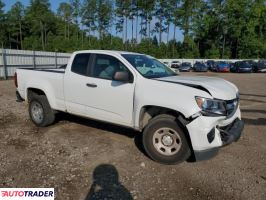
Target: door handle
point(93, 85)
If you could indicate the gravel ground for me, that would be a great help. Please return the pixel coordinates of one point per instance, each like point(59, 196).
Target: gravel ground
point(83, 159)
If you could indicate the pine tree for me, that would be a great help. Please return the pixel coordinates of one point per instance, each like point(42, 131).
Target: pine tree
point(65, 12)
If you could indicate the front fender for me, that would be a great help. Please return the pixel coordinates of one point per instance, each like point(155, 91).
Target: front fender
point(176, 97)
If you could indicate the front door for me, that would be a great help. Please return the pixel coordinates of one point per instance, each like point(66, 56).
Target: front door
point(109, 100)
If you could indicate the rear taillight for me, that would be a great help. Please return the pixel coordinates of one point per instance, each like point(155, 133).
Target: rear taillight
point(16, 79)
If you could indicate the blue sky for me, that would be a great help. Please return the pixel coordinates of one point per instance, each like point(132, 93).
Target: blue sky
point(9, 3)
point(55, 4)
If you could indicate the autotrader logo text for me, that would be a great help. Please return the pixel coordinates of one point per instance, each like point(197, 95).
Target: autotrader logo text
point(27, 193)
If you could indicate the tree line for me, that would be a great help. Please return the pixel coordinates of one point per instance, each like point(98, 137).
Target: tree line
point(210, 28)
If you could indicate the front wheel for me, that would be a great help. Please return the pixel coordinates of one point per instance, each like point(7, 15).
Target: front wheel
point(164, 141)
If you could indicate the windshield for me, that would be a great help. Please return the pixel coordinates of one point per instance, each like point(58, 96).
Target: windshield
point(148, 67)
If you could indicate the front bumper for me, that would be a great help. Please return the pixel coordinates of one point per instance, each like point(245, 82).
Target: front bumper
point(224, 70)
point(245, 70)
point(232, 132)
point(208, 134)
point(201, 70)
point(184, 69)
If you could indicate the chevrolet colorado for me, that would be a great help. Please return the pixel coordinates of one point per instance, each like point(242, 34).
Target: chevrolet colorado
point(179, 116)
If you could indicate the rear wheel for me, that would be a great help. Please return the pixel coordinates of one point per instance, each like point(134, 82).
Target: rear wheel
point(40, 112)
point(164, 141)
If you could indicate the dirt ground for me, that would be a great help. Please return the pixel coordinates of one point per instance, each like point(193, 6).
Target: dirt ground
point(83, 159)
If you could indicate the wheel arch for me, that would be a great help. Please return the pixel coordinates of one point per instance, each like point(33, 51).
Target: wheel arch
point(35, 95)
point(148, 112)
point(40, 91)
point(32, 90)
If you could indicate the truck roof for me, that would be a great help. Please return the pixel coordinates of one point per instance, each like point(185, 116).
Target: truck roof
point(106, 51)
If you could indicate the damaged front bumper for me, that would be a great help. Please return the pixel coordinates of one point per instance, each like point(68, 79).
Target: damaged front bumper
point(232, 132)
point(208, 134)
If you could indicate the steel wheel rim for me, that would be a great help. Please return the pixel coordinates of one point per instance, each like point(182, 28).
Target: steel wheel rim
point(167, 141)
point(37, 112)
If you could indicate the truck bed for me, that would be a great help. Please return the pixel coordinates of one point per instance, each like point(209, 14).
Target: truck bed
point(50, 81)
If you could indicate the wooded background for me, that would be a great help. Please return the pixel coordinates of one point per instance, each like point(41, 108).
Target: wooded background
point(210, 28)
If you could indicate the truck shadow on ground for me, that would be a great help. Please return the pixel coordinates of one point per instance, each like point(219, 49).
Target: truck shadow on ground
point(112, 128)
point(106, 184)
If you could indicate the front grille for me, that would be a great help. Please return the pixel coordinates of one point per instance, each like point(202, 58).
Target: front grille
point(231, 107)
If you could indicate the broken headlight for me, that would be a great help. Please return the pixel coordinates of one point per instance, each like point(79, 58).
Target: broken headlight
point(211, 106)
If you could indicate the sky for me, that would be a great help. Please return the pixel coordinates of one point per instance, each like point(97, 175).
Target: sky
point(55, 5)
point(9, 3)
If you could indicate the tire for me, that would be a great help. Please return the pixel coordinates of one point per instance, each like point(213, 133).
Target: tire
point(40, 112)
point(176, 150)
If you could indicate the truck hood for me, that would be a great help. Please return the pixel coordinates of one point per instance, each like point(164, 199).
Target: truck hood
point(218, 88)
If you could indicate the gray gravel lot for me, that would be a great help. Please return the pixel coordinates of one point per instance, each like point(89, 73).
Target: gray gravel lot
point(84, 159)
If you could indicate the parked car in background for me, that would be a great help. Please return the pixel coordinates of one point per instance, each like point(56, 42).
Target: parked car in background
point(157, 62)
point(260, 66)
point(211, 65)
point(241, 66)
point(200, 67)
point(163, 63)
point(185, 67)
point(252, 63)
point(222, 67)
point(175, 64)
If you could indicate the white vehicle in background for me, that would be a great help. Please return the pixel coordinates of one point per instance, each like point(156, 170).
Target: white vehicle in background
point(180, 117)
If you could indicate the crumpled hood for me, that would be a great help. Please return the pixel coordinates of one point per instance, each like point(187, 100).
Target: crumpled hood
point(217, 87)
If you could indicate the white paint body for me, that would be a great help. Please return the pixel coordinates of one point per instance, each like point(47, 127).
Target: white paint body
point(121, 103)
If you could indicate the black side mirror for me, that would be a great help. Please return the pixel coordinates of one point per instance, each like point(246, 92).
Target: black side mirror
point(121, 76)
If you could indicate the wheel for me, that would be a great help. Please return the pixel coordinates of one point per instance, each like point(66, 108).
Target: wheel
point(164, 141)
point(40, 112)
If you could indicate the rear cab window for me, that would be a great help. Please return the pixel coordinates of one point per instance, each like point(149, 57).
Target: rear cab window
point(80, 64)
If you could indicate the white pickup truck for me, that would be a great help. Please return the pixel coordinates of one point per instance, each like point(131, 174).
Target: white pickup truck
point(180, 117)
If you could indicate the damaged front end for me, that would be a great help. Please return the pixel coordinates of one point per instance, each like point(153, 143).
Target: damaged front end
point(209, 131)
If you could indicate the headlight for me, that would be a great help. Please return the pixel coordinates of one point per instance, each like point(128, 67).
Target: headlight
point(211, 106)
